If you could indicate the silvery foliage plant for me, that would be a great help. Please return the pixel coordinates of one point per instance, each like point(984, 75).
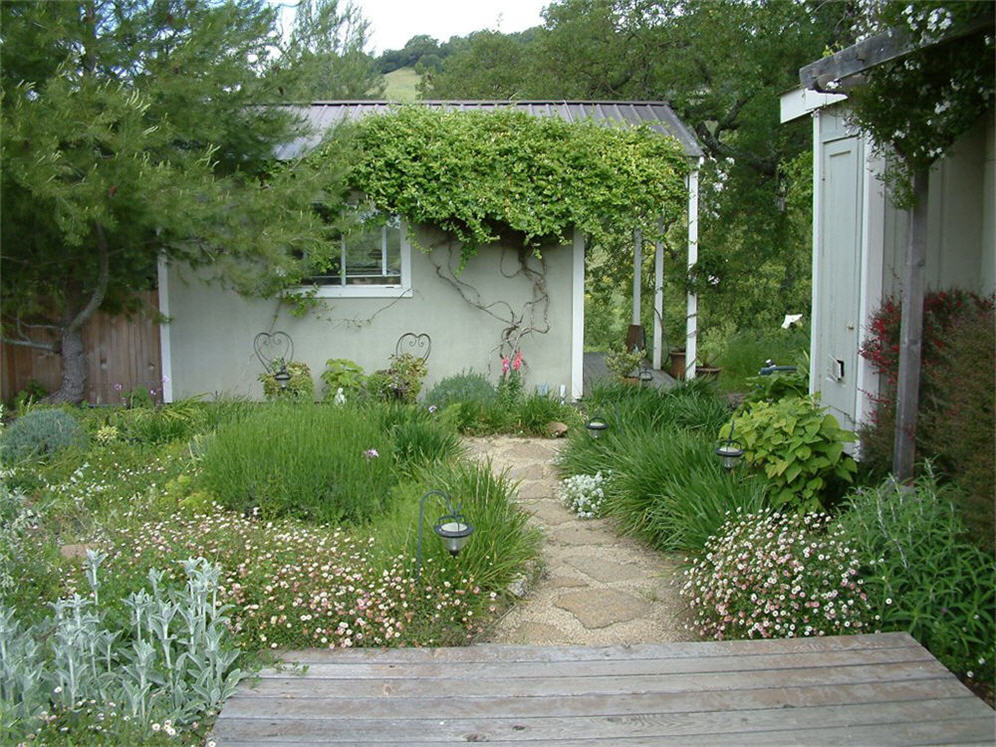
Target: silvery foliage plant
point(175, 659)
point(584, 494)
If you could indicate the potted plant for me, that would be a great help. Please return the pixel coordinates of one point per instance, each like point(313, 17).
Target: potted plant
point(706, 364)
point(624, 364)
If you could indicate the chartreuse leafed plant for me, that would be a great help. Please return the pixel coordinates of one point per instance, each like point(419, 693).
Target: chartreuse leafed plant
point(922, 575)
point(798, 445)
point(771, 575)
point(79, 678)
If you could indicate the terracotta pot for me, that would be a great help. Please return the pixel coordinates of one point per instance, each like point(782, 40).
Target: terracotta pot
point(676, 364)
point(707, 372)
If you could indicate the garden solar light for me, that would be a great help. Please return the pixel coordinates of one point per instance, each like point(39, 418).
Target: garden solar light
point(282, 377)
point(730, 452)
point(452, 528)
point(596, 425)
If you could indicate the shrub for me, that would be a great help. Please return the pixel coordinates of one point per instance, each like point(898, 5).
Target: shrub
point(342, 373)
point(402, 381)
point(770, 575)
point(779, 384)
point(691, 405)
point(463, 387)
point(324, 463)
point(956, 422)
point(39, 434)
point(746, 352)
point(502, 543)
point(155, 425)
point(174, 662)
point(300, 386)
point(624, 363)
point(535, 412)
point(583, 494)
point(798, 446)
point(920, 575)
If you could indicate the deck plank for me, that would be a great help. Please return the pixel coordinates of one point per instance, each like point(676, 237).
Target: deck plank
point(858, 689)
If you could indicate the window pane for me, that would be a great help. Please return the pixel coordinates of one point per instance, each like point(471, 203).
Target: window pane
point(372, 254)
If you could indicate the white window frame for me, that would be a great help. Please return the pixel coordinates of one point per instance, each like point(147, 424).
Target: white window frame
point(401, 290)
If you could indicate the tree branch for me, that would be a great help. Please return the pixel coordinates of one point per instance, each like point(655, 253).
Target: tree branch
point(49, 347)
point(103, 279)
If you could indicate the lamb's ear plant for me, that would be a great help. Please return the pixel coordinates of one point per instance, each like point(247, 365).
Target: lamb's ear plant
point(173, 662)
point(798, 445)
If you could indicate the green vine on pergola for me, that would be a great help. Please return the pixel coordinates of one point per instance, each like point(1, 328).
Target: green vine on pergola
point(485, 176)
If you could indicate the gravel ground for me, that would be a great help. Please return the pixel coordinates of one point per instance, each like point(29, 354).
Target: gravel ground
point(596, 588)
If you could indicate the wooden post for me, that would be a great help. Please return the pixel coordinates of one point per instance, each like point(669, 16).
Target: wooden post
point(692, 302)
point(637, 273)
point(911, 334)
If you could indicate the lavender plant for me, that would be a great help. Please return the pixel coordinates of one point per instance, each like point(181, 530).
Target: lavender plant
point(770, 575)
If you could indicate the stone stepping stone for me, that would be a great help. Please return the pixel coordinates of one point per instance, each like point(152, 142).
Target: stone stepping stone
point(607, 571)
point(600, 608)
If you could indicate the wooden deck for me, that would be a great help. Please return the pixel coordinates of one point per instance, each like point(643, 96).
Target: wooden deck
point(867, 689)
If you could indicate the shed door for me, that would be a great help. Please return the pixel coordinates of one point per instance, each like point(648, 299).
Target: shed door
point(839, 278)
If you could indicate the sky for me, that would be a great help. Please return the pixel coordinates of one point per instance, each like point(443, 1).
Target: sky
point(394, 22)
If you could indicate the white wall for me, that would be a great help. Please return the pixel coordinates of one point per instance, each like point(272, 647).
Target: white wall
point(211, 333)
point(960, 251)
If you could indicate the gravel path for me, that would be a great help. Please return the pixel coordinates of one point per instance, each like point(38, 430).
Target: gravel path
point(596, 588)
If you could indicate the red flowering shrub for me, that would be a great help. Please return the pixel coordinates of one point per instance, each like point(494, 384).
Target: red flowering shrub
point(955, 425)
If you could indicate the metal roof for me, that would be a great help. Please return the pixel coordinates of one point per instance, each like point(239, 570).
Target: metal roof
point(658, 115)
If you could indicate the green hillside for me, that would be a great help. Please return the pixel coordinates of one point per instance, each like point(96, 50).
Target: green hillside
point(402, 85)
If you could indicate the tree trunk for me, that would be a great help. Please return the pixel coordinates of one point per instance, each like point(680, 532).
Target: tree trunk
point(74, 365)
point(911, 334)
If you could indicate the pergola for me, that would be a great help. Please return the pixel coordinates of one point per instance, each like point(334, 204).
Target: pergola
point(657, 115)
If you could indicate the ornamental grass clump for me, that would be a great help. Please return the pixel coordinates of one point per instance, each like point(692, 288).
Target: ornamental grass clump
point(771, 575)
point(584, 494)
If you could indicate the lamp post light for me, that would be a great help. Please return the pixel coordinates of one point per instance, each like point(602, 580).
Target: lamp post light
point(730, 452)
point(452, 528)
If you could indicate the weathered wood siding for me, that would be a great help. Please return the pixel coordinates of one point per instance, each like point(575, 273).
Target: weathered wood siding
point(123, 354)
point(867, 689)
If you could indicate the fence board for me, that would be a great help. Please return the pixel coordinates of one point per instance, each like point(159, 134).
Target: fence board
point(122, 355)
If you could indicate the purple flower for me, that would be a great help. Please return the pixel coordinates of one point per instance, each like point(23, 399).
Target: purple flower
point(371, 453)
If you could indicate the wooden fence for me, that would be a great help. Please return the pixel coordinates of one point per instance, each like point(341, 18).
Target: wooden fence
point(122, 355)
